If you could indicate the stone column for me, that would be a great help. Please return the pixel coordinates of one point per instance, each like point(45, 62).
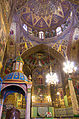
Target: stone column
point(28, 101)
point(1, 106)
point(73, 97)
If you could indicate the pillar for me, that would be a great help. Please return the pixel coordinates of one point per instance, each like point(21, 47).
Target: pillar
point(1, 100)
point(65, 96)
point(66, 101)
point(1, 106)
point(73, 97)
point(28, 101)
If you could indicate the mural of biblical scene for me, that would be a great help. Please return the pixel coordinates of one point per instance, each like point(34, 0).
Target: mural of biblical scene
point(40, 59)
point(40, 62)
point(40, 91)
point(76, 87)
point(8, 67)
point(57, 96)
point(2, 38)
point(14, 100)
point(73, 48)
point(41, 96)
point(60, 97)
point(7, 7)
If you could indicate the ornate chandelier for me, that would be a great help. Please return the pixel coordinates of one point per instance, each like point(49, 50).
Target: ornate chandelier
point(51, 78)
point(69, 67)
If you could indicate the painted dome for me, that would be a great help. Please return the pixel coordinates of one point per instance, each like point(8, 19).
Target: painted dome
point(15, 76)
point(45, 14)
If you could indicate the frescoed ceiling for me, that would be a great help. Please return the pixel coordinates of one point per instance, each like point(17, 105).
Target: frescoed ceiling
point(44, 14)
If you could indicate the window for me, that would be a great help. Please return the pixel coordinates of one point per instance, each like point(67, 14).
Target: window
point(25, 27)
point(58, 30)
point(53, 31)
point(21, 66)
point(76, 34)
point(17, 65)
point(14, 66)
point(41, 35)
point(71, 14)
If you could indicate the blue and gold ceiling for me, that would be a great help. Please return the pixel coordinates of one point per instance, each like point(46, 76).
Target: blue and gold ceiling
point(45, 14)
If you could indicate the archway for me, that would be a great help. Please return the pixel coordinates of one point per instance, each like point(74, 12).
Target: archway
point(16, 81)
point(37, 63)
point(14, 96)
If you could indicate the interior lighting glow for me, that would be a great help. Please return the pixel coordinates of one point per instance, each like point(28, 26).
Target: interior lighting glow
point(33, 98)
point(49, 98)
point(58, 93)
point(52, 78)
point(69, 67)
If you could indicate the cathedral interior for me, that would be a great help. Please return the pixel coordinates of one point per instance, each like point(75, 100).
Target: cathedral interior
point(39, 59)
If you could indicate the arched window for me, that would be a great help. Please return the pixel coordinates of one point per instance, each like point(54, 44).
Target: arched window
point(41, 35)
point(25, 27)
point(54, 33)
point(76, 34)
point(71, 14)
point(58, 30)
point(13, 29)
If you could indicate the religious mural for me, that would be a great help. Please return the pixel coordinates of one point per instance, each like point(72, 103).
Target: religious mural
point(8, 67)
point(7, 7)
point(40, 90)
point(2, 37)
point(40, 59)
point(73, 44)
point(76, 87)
